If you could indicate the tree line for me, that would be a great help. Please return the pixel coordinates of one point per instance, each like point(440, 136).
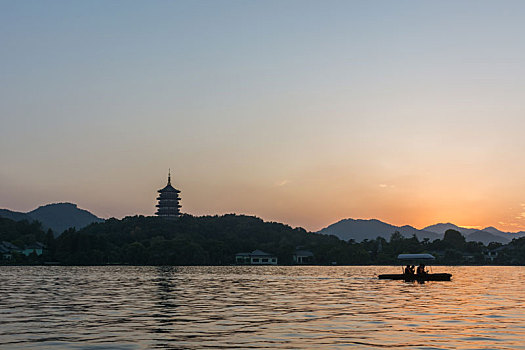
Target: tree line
point(214, 240)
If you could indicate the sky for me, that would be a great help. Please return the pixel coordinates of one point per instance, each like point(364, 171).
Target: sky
point(301, 112)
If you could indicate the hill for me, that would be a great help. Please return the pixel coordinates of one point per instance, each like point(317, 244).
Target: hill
point(441, 228)
point(360, 230)
point(14, 215)
point(507, 235)
point(189, 240)
point(488, 233)
point(58, 216)
point(486, 237)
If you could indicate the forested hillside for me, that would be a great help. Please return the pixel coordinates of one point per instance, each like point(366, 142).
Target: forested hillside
point(214, 240)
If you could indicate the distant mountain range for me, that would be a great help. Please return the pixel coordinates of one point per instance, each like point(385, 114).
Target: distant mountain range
point(486, 235)
point(62, 216)
point(58, 217)
point(360, 230)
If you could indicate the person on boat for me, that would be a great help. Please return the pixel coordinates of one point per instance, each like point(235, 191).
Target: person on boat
point(409, 270)
point(421, 269)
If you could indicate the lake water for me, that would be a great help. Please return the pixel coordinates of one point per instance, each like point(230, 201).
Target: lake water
point(114, 307)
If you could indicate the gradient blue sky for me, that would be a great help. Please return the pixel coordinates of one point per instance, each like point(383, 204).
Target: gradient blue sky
point(304, 112)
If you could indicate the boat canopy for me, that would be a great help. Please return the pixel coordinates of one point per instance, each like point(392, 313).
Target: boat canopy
point(415, 257)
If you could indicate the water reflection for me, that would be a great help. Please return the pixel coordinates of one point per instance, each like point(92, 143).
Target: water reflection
point(258, 307)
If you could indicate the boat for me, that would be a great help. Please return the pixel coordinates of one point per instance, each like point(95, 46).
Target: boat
point(416, 277)
point(425, 277)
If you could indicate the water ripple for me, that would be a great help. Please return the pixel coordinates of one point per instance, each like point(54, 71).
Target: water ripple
point(117, 307)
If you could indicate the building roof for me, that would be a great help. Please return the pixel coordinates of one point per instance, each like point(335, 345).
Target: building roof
point(303, 253)
point(168, 188)
point(498, 249)
point(256, 252)
point(36, 245)
point(9, 245)
point(260, 253)
point(415, 257)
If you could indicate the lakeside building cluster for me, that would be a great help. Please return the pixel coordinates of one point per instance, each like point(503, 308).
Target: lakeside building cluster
point(8, 249)
point(258, 257)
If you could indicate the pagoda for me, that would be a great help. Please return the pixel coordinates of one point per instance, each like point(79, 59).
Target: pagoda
point(168, 206)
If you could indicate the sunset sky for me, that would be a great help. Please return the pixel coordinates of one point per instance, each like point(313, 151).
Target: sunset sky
point(302, 112)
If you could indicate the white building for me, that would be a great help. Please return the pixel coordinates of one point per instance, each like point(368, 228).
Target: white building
point(257, 257)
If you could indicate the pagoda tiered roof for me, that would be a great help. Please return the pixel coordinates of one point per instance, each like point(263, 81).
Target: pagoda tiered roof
point(168, 201)
point(168, 188)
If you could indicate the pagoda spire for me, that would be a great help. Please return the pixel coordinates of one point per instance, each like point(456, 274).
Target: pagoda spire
point(169, 176)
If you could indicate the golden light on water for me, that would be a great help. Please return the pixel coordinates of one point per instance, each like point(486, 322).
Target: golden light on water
point(261, 307)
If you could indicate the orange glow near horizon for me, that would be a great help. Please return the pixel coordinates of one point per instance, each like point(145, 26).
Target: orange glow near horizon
point(313, 199)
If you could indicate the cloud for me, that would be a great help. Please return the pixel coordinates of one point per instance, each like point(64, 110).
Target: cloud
point(507, 223)
point(386, 186)
point(282, 183)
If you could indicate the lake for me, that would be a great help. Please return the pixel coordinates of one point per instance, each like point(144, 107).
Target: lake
point(126, 307)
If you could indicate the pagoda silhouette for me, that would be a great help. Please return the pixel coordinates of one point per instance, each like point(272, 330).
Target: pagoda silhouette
point(168, 201)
